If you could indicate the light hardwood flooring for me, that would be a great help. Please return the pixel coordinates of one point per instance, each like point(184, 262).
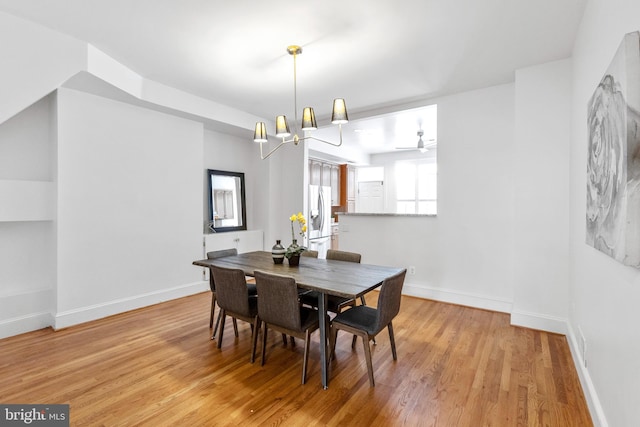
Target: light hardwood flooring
point(157, 366)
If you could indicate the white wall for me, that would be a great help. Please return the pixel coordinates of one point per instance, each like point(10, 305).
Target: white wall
point(541, 179)
point(235, 154)
point(465, 254)
point(129, 207)
point(604, 293)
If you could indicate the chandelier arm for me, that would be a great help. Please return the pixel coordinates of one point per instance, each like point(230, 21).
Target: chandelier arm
point(282, 144)
point(325, 141)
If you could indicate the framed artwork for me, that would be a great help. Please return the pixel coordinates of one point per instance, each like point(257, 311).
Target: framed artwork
point(613, 159)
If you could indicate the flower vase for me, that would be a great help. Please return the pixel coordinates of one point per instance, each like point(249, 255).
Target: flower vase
point(293, 246)
point(294, 260)
point(277, 252)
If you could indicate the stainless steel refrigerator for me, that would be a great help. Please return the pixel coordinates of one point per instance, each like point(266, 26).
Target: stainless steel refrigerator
point(319, 223)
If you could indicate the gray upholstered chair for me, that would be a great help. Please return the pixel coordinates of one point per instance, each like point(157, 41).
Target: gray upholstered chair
point(234, 300)
point(279, 309)
point(335, 304)
point(250, 284)
point(366, 322)
point(346, 256)
point(310, 253)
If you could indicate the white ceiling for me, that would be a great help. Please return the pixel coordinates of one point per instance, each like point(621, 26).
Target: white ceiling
point(380, 55)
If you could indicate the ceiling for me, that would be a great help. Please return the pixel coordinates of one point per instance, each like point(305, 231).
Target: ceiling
point(377, 55)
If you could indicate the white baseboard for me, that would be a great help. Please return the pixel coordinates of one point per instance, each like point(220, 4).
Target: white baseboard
point(590, 394)
point(27, 323)
point(25, 311)
point(98, 311)
point(542, 322)
point(457, 297)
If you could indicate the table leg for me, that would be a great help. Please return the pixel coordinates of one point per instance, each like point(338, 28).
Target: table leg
point(322, 311)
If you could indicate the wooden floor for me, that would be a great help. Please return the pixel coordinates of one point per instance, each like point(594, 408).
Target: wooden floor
point(156, 366)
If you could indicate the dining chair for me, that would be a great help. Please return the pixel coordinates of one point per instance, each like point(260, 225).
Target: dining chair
point(279, 309)
point(366, 322)
point(234, 300)
point(250, 284)
point(310, 253)
point(335, 304)
point(346, 256)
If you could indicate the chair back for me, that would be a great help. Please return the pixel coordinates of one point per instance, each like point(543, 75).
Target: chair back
point(389, 300)
point(232, 293)
point(278, 300)
point(310, 253)
point(222, 253)
point(218, 254)
point(343, 256)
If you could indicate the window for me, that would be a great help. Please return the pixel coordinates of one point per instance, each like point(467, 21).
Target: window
point(417, 187)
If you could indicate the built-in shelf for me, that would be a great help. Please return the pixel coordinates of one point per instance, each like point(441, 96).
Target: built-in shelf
point(26, 201)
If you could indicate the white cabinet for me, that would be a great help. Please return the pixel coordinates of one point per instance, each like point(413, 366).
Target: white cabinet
point(335, 185)
point(351, 188)
point(335, 234)
point(315, 172)
point(326, 174)
point(243, 241)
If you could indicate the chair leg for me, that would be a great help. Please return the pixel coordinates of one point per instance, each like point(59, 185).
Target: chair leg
point(333, 337)
point(217, 324)
point(235, 326)
point(353, 344)
point(254, 337)
point(224, 316)
point(307, 336)
point(264, 342)
point(213, 306)
point(367, 353)
point(353, 341)
point(284, 339)
point(393, 342)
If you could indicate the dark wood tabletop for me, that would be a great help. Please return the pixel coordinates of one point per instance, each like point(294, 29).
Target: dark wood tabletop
point(341, 278)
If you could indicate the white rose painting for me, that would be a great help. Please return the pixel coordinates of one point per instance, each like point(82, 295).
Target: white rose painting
point(613, 163)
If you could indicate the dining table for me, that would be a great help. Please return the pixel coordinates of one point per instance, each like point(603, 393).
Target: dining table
point(326, 277)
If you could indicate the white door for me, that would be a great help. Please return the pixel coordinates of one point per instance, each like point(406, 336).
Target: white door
point(370, 197)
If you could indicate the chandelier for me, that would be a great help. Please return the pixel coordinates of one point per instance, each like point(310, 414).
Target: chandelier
point(338, 116)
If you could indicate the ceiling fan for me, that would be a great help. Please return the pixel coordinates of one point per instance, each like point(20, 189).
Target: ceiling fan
point(422, 147)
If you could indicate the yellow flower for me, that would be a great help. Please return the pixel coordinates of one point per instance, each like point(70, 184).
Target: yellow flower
point(304, 228)
point(293, 217)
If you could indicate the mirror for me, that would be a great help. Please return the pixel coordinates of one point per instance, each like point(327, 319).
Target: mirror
point(227, 208)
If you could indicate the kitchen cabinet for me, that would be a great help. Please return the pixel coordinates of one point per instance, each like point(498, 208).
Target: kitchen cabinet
point(315, 172)
point(335, 234)
point(348, 187)
point(326, 174)
point(351, 183)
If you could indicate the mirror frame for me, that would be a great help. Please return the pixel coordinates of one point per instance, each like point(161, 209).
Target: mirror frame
point(243, 215)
